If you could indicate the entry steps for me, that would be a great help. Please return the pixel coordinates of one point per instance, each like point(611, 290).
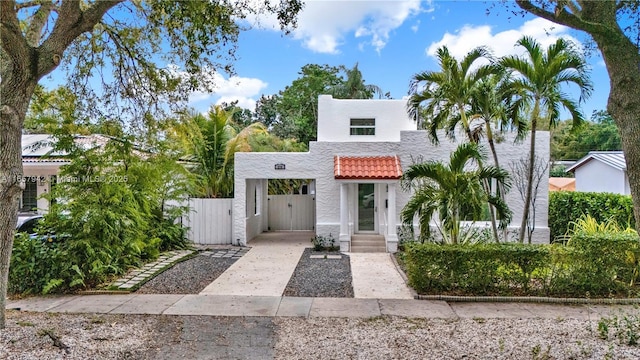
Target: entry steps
point(365, 243)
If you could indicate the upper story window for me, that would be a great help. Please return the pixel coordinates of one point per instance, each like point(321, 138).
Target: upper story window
point(363, 126)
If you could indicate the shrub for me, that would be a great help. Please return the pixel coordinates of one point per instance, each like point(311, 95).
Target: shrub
point(321, 243)
point(480, 269)
point(37, 266)
point(566, 207)
point(605, 264)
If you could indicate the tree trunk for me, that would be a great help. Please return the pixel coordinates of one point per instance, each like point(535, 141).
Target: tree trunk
point(623, 64)
point(499, 188)
point(532, 157)
point(14, 90)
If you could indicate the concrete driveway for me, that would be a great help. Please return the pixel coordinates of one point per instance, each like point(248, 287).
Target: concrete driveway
point(266, 269)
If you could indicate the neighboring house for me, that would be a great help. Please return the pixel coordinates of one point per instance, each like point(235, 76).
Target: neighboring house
point(562, 184)
point(41, 166)
point(356, 163)
point(602, 171)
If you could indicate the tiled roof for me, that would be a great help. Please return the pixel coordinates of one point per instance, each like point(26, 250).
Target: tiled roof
point(367, 168)
point(614, 159)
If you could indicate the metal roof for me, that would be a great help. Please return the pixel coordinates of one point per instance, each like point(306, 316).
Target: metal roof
point(614, 159)
point(35, 146)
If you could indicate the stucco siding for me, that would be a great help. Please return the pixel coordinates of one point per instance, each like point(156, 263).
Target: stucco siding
point(334, 117)
point(599, 177)
point(318, 164)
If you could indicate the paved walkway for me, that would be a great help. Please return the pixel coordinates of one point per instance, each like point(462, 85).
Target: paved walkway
point(266, 269)
point(375, 277)
point(215, 305)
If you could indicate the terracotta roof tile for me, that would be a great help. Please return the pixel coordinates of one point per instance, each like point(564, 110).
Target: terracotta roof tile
point(367, 168)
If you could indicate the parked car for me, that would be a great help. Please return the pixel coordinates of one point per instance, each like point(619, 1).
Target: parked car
point(28, 223)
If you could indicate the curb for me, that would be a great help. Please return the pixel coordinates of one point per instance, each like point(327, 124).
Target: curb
point(531, 299)
point(403, 276)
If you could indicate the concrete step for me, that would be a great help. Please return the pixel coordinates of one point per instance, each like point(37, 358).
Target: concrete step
point(368, 249)
point(368, 242)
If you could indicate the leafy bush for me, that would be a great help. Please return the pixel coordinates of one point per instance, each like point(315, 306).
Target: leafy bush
point(566, 207)
point(321, 243)
point(602, 264)
point(109, 205)
point(37, 266)
point(480, 269)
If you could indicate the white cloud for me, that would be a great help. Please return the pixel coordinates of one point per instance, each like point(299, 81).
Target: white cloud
point(323, 25)
point(216, 88)
point(415, 27)
point(502, 43)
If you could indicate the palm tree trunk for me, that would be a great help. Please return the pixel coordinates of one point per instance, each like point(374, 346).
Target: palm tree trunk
point(527, 199)
point(499, 189)
point(485, 185)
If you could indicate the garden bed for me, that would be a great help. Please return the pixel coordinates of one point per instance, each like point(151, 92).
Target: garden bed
point(188, 277)
point(321, 277)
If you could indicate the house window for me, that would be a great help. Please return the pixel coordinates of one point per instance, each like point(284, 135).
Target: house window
point(363, 126)
point(30, 194)
point(257, 195)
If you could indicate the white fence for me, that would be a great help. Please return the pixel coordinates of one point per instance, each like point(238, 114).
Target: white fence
point(209, 221)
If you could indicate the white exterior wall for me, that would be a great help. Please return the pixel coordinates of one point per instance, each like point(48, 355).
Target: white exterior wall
point(597, 176)
point(334, 117)
point(39, 170)
point(627, 187)
point(318, 164)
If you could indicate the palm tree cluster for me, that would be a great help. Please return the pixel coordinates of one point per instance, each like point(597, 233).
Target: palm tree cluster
point(484, 96)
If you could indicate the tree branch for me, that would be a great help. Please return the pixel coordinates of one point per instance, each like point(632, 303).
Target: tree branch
point(10, 33)
point(71, 23)
point(38, 20)
point(561, 16)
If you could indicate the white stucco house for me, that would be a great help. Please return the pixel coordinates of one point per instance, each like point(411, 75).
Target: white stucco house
point(41, 166)
point(602, 171)
point(355, 166)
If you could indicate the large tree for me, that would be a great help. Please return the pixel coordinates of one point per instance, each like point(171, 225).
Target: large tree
point(116, 42)
point(537, 81)
point(614, 26)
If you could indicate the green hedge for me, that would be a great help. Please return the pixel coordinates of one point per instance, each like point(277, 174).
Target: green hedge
point(602, 265)
point(568, 206)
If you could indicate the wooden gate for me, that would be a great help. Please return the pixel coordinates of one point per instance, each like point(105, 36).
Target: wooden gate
point(209, 221)
point(292, 212)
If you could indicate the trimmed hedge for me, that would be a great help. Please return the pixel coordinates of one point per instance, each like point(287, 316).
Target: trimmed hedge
point(600, 265)
point(568, 206)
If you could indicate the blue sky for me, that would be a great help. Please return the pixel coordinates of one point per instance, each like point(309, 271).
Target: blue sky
point(390, 40)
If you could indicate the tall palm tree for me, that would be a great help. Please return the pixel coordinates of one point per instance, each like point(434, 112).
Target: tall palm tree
point(537, 79)
point(354, 86)
point(448, 94)
point(210, 142)
point(453, 192)
point(489, 117)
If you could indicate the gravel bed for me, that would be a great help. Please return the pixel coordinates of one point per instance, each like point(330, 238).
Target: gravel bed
point(187, 277)
point(321, 277)
point(399, 338)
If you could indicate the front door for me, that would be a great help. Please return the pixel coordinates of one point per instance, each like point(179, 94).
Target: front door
point(366, 208)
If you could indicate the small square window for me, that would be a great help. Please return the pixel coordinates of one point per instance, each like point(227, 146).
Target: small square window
point(363, 127)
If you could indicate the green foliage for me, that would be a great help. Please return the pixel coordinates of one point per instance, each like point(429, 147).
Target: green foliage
point(480, 269)
point(453, 192)
point(110, 214)
point(625, 328)
point(559, 171)
point(566, 207)
point(599, 134)
point(591, 265)
point(321, 243)
point(36, 266)
point(210, 143)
